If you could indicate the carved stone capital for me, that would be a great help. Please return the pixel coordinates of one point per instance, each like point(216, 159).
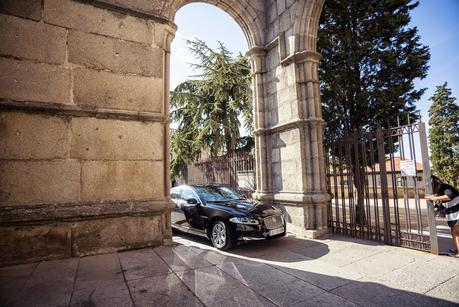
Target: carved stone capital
point(301, 57)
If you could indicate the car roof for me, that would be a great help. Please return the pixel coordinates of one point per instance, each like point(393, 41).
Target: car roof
point(200, 185)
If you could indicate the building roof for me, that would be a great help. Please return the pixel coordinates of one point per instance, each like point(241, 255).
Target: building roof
point(396, 165)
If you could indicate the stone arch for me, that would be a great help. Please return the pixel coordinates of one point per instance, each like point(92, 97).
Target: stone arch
point(247, 14)
point(306, 24)
point(87, 121)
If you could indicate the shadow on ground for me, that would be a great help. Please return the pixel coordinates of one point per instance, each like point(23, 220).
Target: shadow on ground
point(264, 249)
point(284, 272)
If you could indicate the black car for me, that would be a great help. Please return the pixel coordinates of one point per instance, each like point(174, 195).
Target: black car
point(224, 216)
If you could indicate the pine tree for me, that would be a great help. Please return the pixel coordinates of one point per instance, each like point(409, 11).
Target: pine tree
point(208, 107)
point(370, 59)
point(444, 134)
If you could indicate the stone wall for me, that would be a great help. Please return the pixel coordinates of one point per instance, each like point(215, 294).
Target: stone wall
point(84, 121)
point(83, 129)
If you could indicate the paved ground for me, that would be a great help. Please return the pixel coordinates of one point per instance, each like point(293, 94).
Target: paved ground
point(285, 272)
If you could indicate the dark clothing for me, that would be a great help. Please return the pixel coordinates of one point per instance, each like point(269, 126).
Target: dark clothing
point(452, 206)
point(448, 190)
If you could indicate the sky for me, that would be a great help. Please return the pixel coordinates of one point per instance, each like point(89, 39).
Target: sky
point(437, 22)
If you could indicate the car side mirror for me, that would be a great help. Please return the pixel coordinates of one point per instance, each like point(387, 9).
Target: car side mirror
point(192, 201)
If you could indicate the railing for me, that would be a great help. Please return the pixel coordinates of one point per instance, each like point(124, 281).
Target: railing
point(377, 181)
point(235, 170)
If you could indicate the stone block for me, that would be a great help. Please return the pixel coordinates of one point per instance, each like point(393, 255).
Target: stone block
point(294, 215)
point(289, 137)
point(284, 21)
point(143, 6)
point(160, 33)
point(280, 6)
point(39, 181)
point(122, 180)
point(87, 18)
point(98, 139)
point(104, 53)
point(32, 40)
point(30, 136)
point(27, 81)
point(110, 235)
point(139, 264)
point(30, 9)
point(113, 91)
point(51, 284)
point(33, 243)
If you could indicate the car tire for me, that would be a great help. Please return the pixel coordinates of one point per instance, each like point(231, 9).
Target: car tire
point(222, 236)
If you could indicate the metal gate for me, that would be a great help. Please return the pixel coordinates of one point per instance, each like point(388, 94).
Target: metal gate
point(235, 170)
point(378, 181)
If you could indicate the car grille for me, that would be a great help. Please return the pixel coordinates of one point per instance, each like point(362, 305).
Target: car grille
point(273, 222)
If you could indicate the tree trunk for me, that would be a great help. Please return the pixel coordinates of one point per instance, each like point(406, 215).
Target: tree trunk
point(358, 173)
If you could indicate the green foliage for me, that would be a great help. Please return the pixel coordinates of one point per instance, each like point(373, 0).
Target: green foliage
point(208, 107)
point(444, 134)
point(370, 60)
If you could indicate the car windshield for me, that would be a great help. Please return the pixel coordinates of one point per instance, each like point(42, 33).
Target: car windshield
point(216, 194)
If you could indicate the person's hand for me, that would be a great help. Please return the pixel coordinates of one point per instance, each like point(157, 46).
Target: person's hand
point(429, 196)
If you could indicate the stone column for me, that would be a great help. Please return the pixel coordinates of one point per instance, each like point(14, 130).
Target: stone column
point(295, 135)
point(257, 58)
point(163, 34)
point(316, 196)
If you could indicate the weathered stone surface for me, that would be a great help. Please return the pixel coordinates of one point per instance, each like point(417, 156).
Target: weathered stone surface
point(108, 90)
point(161, 33)
point(33, 243)
point(50, 285)
point(87, 18)
point(142, 6)
point(28, 136)
point(12, 279)
point(100, 282)
point(181, 258)
point(97, 139)
point(39, 181)
point(162, 290)
point(216, 288)
point(109, 235)
point(143, 263)
point(32, 40)
point(104, 180)
point(26, 81)
point(100, 52)
point(30, 9)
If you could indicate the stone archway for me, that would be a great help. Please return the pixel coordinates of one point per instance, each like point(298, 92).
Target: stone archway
point(288, 119)
point(84, 121)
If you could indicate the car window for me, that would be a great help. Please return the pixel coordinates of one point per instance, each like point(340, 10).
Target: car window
point(175, 192)
point(188, 193)
point(215, 193)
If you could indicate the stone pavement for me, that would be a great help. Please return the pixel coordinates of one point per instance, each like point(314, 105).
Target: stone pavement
point(284, 272)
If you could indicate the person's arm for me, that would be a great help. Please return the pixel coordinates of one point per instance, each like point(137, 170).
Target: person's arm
point(437, 198)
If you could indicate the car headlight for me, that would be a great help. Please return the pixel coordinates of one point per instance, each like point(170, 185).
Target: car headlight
point(244, 220)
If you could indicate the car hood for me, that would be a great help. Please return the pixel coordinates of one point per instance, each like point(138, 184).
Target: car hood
point(247, 207)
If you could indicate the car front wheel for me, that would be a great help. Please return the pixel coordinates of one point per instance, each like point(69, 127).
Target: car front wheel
point(221, 236)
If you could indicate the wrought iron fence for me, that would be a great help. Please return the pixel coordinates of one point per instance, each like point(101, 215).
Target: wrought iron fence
point(378, 180)
point(235, 170)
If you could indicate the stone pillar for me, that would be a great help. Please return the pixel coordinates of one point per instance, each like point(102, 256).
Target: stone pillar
point(311, 126)
point(296, 136)
point(84, 123)
point(257, 58)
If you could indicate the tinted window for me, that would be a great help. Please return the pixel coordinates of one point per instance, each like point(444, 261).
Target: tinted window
point(188, 193)
point(217, 194)
point(175, 193)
